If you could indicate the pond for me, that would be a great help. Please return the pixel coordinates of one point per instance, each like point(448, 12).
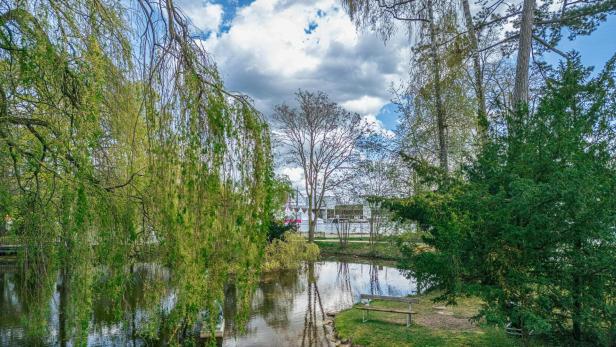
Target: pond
point(287, 307)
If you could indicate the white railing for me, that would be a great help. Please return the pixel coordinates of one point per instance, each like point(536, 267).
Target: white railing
point(355, 228)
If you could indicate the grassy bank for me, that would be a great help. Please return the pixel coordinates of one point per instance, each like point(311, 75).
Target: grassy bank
point(381, 250)
point(433, 325)
point(382, 238)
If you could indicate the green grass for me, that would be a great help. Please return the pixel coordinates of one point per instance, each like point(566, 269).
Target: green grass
point(428, 329)
point(9, 240)
point(384, 250)
point(357, 238)
point(376, 333)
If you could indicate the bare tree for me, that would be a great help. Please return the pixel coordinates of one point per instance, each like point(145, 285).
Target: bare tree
point(343, 230)
point(320, 137)
point(375, 182)
point(377, 176)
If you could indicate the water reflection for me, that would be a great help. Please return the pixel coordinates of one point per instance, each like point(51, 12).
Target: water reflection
point(56, 308)
point(288, 307)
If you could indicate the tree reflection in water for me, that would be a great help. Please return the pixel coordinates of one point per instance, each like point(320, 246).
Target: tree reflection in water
point(72, 299)
point(135, 304)
point(274, 297)
point(343, 280)
point(312, 325)
point(375, 285)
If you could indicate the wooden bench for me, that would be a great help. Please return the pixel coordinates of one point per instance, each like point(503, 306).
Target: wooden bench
point(9, 249)
point(367, 308)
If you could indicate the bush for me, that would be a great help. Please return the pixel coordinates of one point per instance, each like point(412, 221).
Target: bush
point(529, 226)
point(289, 252)
point(277, 230)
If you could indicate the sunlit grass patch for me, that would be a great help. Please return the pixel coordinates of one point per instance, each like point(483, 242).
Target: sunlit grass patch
point(435, 324)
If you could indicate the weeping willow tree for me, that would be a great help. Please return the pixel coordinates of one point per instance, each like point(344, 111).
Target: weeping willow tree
point(117, 137)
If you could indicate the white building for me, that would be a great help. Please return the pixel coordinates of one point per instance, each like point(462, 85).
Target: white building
point(296, 211)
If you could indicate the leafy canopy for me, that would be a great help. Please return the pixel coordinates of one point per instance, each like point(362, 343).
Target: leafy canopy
point(530, 226)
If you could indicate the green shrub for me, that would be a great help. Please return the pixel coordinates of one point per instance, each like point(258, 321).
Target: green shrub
point(529, 225)
point(277, 229)
point(289, 252)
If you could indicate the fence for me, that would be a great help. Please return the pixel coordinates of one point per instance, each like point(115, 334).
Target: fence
point(326, 229)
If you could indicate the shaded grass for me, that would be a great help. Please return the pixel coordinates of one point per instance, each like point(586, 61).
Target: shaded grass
point(382, 250)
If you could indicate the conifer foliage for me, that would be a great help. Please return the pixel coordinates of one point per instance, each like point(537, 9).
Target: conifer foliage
point(530, 226)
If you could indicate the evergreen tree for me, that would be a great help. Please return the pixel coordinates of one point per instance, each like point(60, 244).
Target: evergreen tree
point(530, 226)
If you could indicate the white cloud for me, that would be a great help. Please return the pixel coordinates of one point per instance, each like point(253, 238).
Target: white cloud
point(203, 15)
point(376, 126)
point(295, 174)
point(274, 47)
point(366, 105)
point(271, 38)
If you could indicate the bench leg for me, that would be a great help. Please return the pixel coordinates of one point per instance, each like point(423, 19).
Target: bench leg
point(408, 317)
point(364, 316)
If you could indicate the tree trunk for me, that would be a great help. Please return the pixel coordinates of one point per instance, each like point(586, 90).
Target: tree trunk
point(438, 98)
point(347, 232)
point(62, 306)
point(520, 91)
point(310, 219)
point(339, 232)
point(371, 238)
point(576, 316)
point(482, 115)
point(311, 229)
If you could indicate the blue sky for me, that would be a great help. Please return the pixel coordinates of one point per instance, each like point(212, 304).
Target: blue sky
point(270, 48)
point(388, 115)
point(595, 49)
point(229, 10)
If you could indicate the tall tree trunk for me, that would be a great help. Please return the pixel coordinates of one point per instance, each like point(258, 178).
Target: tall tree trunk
point(520, 91)
point(438, 98)
point(62, 306)
point(482, 114)
point(371, 224)
point(310, 219)
point(577, 288)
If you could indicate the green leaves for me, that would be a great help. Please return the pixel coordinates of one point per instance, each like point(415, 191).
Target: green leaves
point(117, 137)
point(531, 228)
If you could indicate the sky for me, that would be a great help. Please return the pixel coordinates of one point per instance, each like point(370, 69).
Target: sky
point(268, 49)
point(595, 49)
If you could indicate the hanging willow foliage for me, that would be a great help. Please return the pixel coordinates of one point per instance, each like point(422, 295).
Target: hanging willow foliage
point(117, 137)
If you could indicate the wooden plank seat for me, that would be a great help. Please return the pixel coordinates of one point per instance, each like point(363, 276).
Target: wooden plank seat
point(367, 308)
point(388, 298)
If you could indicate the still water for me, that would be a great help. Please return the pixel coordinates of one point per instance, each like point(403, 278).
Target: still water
point(288, 307)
